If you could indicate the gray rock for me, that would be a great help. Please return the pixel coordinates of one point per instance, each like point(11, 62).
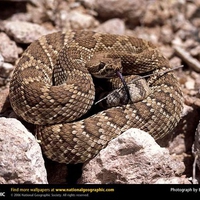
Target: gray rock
point(133, 157)
point(8, 48)
point(172, 180)
point(21, 160)
point(131, 10)
point(113, 26)
point(80, 20)
point(196, 146)
point(24, 32)
point(4, 100)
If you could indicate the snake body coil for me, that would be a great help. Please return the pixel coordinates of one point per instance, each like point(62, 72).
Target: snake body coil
point(52, 87)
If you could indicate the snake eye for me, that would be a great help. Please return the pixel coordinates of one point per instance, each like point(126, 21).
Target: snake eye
point(101, 65)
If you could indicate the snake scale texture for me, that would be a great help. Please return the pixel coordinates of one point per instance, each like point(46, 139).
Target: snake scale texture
point(52, 86)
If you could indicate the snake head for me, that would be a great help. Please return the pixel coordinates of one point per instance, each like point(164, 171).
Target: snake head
point(104, 67)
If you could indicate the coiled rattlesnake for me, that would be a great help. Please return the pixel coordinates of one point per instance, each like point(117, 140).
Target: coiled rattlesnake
point(52, 87)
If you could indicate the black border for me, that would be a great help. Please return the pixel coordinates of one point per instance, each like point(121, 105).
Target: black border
point(14, 191)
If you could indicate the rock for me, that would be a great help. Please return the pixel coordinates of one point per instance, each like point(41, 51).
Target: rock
point(80, 20)
point(196, 146)
point(5, 71)
point(1, 60)
point(133, 157)
point(187, 58)
point(131, 10)
point(191, 9)
point(24, 32)
point(113, 26)
point(20, 155)
point(155, 14)
point(8, 48)
point(183, 136)
point(4, 100)
point(172, 180)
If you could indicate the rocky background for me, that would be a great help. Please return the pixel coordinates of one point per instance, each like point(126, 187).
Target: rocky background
point(133, 157)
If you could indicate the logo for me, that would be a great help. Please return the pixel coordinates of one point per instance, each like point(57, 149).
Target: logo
point(2, 194)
